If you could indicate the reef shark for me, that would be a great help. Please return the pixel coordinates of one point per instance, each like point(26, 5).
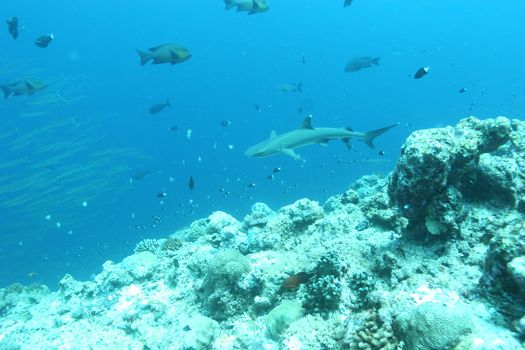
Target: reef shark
point(307, 135)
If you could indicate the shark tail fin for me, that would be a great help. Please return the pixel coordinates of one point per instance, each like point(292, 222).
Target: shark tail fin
point(375, 61)
point(300, 87)
point(371, 135)
point(144, 57)
point(168, 104)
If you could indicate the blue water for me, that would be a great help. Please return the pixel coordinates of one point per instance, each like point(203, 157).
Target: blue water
point(101, 95)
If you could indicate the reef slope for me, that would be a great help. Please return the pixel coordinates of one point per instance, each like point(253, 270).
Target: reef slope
point(430, 257)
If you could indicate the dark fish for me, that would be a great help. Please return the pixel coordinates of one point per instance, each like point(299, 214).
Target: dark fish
point(290, 87)
point(162, 194)
point(300, 110)
point(22, 87)
point(276, 170)
point(421, 72)
point(347, 3)
point(156, 108)
point(381, 153)
point(360, 63)
point(257, 108)
point(191, 183)
point(462, 90)
point(252, 185)
point(12, 27)
point(186, 328)
point(304, 60)
point(250, 6)
point(225, 123)
point(44, 40)
point(270, 177)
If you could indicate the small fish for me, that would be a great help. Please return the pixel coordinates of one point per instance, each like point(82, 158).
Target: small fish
point(252, 185)
point(381, 153)
point(44, 40)
point(359, 63)
point(191, 183)
point(225, 123)
point(270, 177)
point(462, 90)
point(347, 3)
point(276, 170)
point(157, 108)
point(12, 27)
point(257, 108)
point(293, 282)
point(300, 110)
point(186, 328)
point(290, 87)
point(421, 72)
point(32, 274)
point(303, 59)
point(161, 195)
point(174, 128)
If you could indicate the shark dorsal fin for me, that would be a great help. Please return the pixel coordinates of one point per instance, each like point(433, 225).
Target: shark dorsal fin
point(29, 86)
point(273, 134)
point(307, 123)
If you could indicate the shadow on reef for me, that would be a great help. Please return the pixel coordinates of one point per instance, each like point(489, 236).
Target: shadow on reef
point(431, 257)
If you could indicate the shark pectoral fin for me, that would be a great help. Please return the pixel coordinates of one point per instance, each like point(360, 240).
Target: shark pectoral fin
point(324, 142)
point(347, 143)
point(307, 123)
point(290, 152)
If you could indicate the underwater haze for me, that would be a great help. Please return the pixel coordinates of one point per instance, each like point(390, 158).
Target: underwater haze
point(87, 171)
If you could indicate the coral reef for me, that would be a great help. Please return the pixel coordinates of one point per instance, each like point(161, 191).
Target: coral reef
point(259, 215)
point(280, 318)
point(373, 334)
point(424, 184)
point(432, 326)
point(420, 259)
point(221, 294)
point(504, 273)
point(147, 245)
